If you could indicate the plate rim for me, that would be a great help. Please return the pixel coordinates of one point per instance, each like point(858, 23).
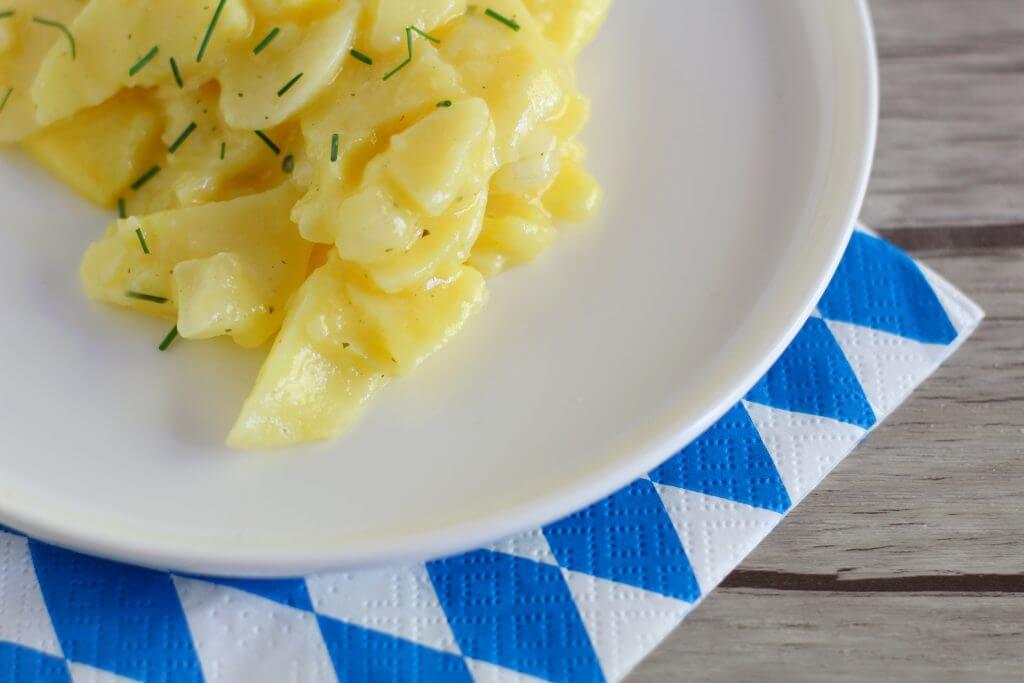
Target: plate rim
point(534, 513)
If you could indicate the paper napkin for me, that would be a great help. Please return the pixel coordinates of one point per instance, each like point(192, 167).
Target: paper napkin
point(583, 599)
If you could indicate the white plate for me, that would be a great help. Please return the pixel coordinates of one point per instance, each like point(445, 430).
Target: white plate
point(734, 140)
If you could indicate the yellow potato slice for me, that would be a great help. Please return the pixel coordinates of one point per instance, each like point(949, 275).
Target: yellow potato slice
point(415, 324)
point(102, 150)
point(112, 36)
point(194, 172)
point(575, 195)
point(514, 232)
point(521, 76)
point(432, 162)
point(256, 231)
point(23, 45)
point(363, 110)
point(340, 343)
point(570, 24)
point(389, 19)
point(260, 91)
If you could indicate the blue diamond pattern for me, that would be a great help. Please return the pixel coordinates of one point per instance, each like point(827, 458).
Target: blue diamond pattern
point(515, 613)
point(814, 377)
point(9, 530)
point(116, 617)
point(290, 592)
point(880, 287)
point(359, 654)
point(616, 538)
point(728, 461)
point(23, 665)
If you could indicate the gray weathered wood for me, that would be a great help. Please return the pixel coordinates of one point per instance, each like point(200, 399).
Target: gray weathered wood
point(950, 144)
point(907, 564)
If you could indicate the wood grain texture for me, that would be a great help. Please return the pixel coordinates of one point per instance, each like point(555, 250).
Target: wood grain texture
point(907, 564)
point(951, 143)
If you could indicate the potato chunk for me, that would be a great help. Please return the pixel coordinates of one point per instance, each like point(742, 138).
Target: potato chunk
point(102, 150)
point(265, 262)
point(341, 342)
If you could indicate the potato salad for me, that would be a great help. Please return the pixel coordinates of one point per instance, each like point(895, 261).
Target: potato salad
point(334, 179)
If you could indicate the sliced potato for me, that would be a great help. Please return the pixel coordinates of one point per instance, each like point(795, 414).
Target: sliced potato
point(341, 342)
point(112, 36)
point(520, 75)
point(102, 150)
point(575, 195)
point(256, 231)
point(415, 324)
point(23, 45)
point(260, 91)
point(319, 372)
point(570, 24)
point(389, 18)
point(436, 159)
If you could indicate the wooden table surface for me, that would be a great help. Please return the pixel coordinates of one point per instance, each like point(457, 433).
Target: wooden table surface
point(907, 564)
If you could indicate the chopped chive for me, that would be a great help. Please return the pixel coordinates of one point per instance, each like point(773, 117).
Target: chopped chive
point(365, 59)
point(223, 148)
point(146, 177)
point(511, 23)
point(142, 240)
point(62, 27)
point(209, 30)
point(288, 165)
point(7, 96)
point(335, 139)
point(171, 336)
point(144, 61)
point(146, 297)
point(181, 138)
point(408, 47)
point(266, 41)
point(6, 13)
point(425, 35)
point(288, 86)
point(444, 103)
point(270, 143)
point(122, 211)
point(177, 74)
point(397, 69)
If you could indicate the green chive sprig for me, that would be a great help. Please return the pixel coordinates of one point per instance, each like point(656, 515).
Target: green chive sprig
point(408, 45)
point(266, 41)
point(63, 29)
point(6, 13)
point(171, 336)
point(146, 177)
point(270, 143)
point(511, 23)
point(141, 296)
point(144, 61)
point(288, 86)
point(444, 103)
point(7, 96)
point(288, 165)
point(177, 73)
point(142, 240)
point(122, 210)
point(209, 31)
point(335, 141)
point(223, 148)
point(181, 138)
point(362, 57)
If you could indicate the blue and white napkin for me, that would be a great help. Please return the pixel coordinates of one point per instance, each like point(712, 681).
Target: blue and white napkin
point(583, 599)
